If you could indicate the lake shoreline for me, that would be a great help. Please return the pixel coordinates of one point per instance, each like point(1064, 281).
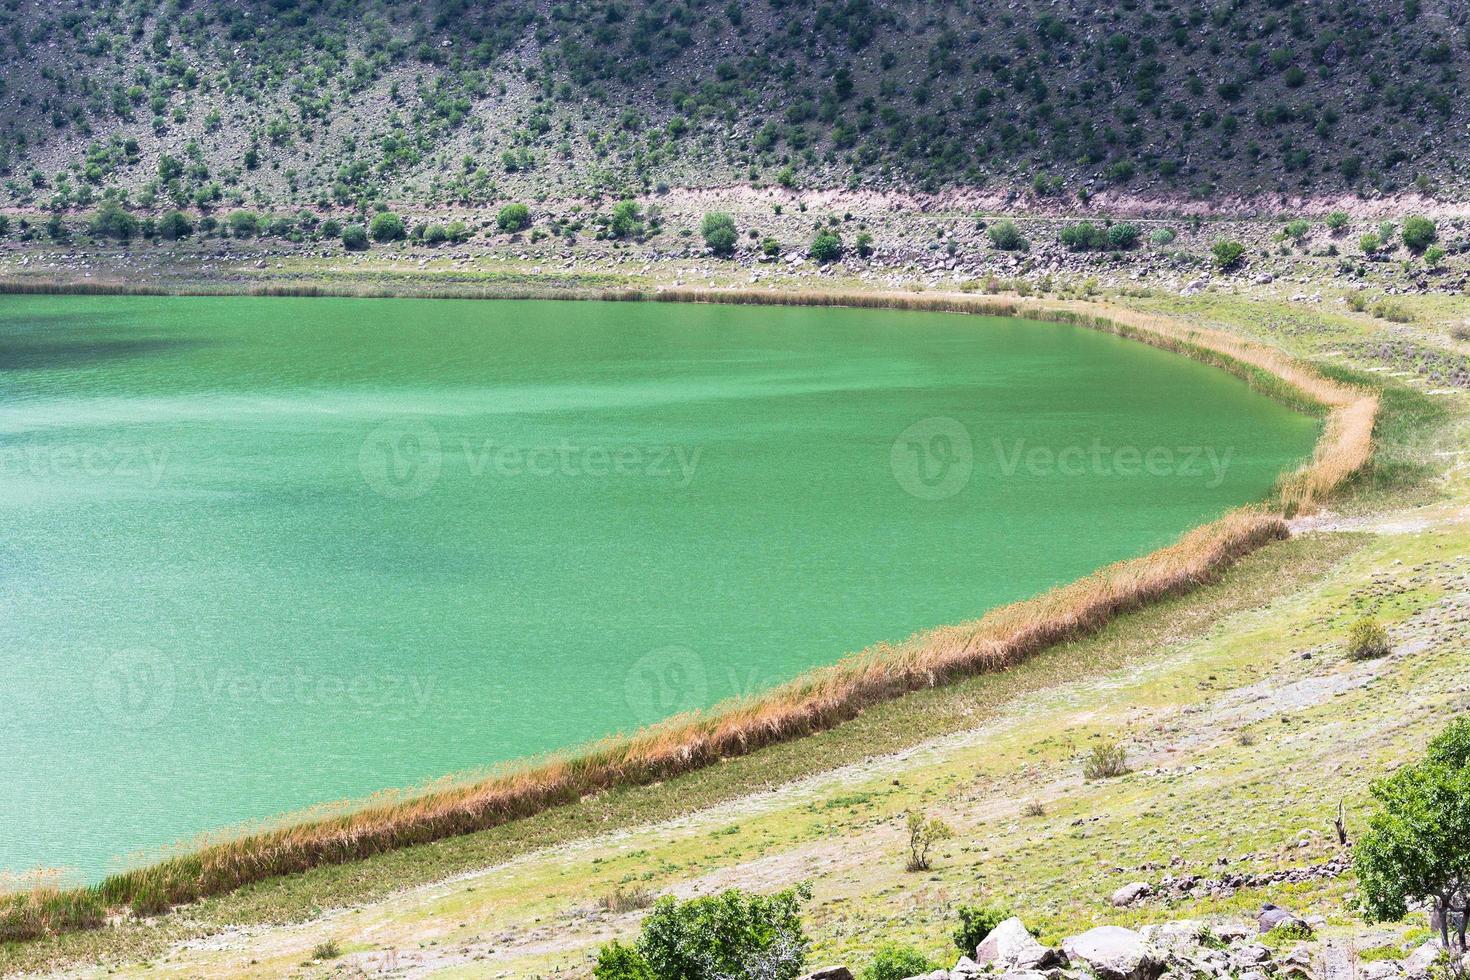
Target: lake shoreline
point(814, 702)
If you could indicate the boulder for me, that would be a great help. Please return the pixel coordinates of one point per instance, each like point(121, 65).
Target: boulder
point(1114, 953)
point(1379, 970)
point(1010, 948)
point(1272, 917)
point(830, 973)
point(1417, 963)
point(1130, 893)
point(965, 967)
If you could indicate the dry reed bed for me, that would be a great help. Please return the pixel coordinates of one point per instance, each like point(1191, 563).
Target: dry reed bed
point(819, 699)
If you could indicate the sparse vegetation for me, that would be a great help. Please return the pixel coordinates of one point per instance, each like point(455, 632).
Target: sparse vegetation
point(719, 233)
point(826, 247)
point(1107, 759)
point(924, 832)
point(513, 218)
point(1367, 639)
point(892, 961)
point(975, 923)
point(1005, 236)
point(1418, 233)
point(1227, 253)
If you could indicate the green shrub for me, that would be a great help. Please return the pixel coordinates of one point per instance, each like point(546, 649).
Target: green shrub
point(627, 220)
point(1083, 237)
point(724, 935)
point(1297, 230)
point(1369, 243)
point(1367, 639)
point(719, 233)
point(174, 225)
point(1106, 760)
point(1392, 310)
point(328, 950)
point(1227, 253)
point(864, 244)
point(435, 235)
point(1123, 236)
point(1337, 220)
point(243, 224)
point(1162, 236)
point(1433, 256)
point(894, 962)
point(354, 238)
point(111, 221)
point(1419, 233)
point(924, 833)
point(330, 228)
point(457, 232)
point(826, 247)
point(976, 922)
point(770, 248)
point(513, 218)
point(616, 961)
point(387, 227)
point(1005, 236)
point(4, 225)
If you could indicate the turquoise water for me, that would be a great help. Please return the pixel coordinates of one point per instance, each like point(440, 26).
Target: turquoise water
point(262, 553)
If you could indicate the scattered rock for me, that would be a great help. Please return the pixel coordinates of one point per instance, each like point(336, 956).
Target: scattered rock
point(1010, 948)
point(1272, 917)
point(830, 973)
point(1114, 953)
point(1130, 893)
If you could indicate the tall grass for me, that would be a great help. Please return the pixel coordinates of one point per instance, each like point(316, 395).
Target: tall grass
point(815, 701)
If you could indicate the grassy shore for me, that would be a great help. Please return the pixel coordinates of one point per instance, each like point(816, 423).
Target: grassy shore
point(815, 702)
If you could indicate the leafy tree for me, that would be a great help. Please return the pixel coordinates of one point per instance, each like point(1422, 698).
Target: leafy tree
point(924, 833)
point(354, 238)
point(1419, 233)
point(894, 962)
point(111, 221)
point(1123, 236)
point(1417, 846)
point(826, 247)
point(718, 231)
point(1005, 236)
point(864, 244)
point(627, 220)
point(513, 218)
point(977, 922)
point(243, 224)
point(457, 232)
point(1228, 253)
point(174, 225)
point(387, 227)
point(729, 936)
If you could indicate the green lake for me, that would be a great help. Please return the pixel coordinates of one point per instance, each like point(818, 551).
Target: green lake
point(262, 553)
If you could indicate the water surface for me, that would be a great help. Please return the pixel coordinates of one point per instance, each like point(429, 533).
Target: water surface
point(261, 553)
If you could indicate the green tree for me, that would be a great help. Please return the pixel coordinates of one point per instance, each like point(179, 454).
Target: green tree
point(977, 922)
point(243, 224)
point(354, 238)
point(1005, 236)
point(435, 234)
point(719, 233)
point(826, 247)
point(627, 220)
point(733, 934)
point(1123, 236)
point(387, 227)
point(1417, 846)
point(111, 221)
point(1227, 253)
point(513, 218)
point(864, 244)
point(616, 961)
point(174, 225)
point(1419, 233)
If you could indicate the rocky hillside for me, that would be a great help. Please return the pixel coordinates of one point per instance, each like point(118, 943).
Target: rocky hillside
point(338, 102)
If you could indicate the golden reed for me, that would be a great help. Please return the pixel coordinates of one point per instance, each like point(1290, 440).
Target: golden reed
point(815, 701)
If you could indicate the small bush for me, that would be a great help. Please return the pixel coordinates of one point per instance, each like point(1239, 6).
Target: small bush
point(976, 922)
point(243, 224)
point(328, 950)
point(1337, 220)
point(174, 225)
point(354, 238)
point(894, 962)
point(1367, 639)
point(615, 961)
point(1394, 312)
point(864, 244)
point(627, 220)
point(719, 232)
point(1418, 233)
point(826, 247)
point(1433, 256)
point(1106, 760)
point(513, 218)
point(1227, 253)
point(924, 833)
point(1035, 808)
point(626, 900)
point(1123, 236)
point(770, 248)
point(111, 221)
point(387, 227)
point(1297, 230)
point(435, 235)
point(1005, 236)
point(1162, 236)
point(1083, 237)
point(1369, 243)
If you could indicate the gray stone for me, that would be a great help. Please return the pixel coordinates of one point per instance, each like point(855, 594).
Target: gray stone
point(830, 973)
point(1272, 917)
point(1417, 963)
point(965, 967)
point(1114, 953)
point(1131, 893)
point(1251, 954)
point(1230, 932)
point(1379, 970)
point(1010, 948)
